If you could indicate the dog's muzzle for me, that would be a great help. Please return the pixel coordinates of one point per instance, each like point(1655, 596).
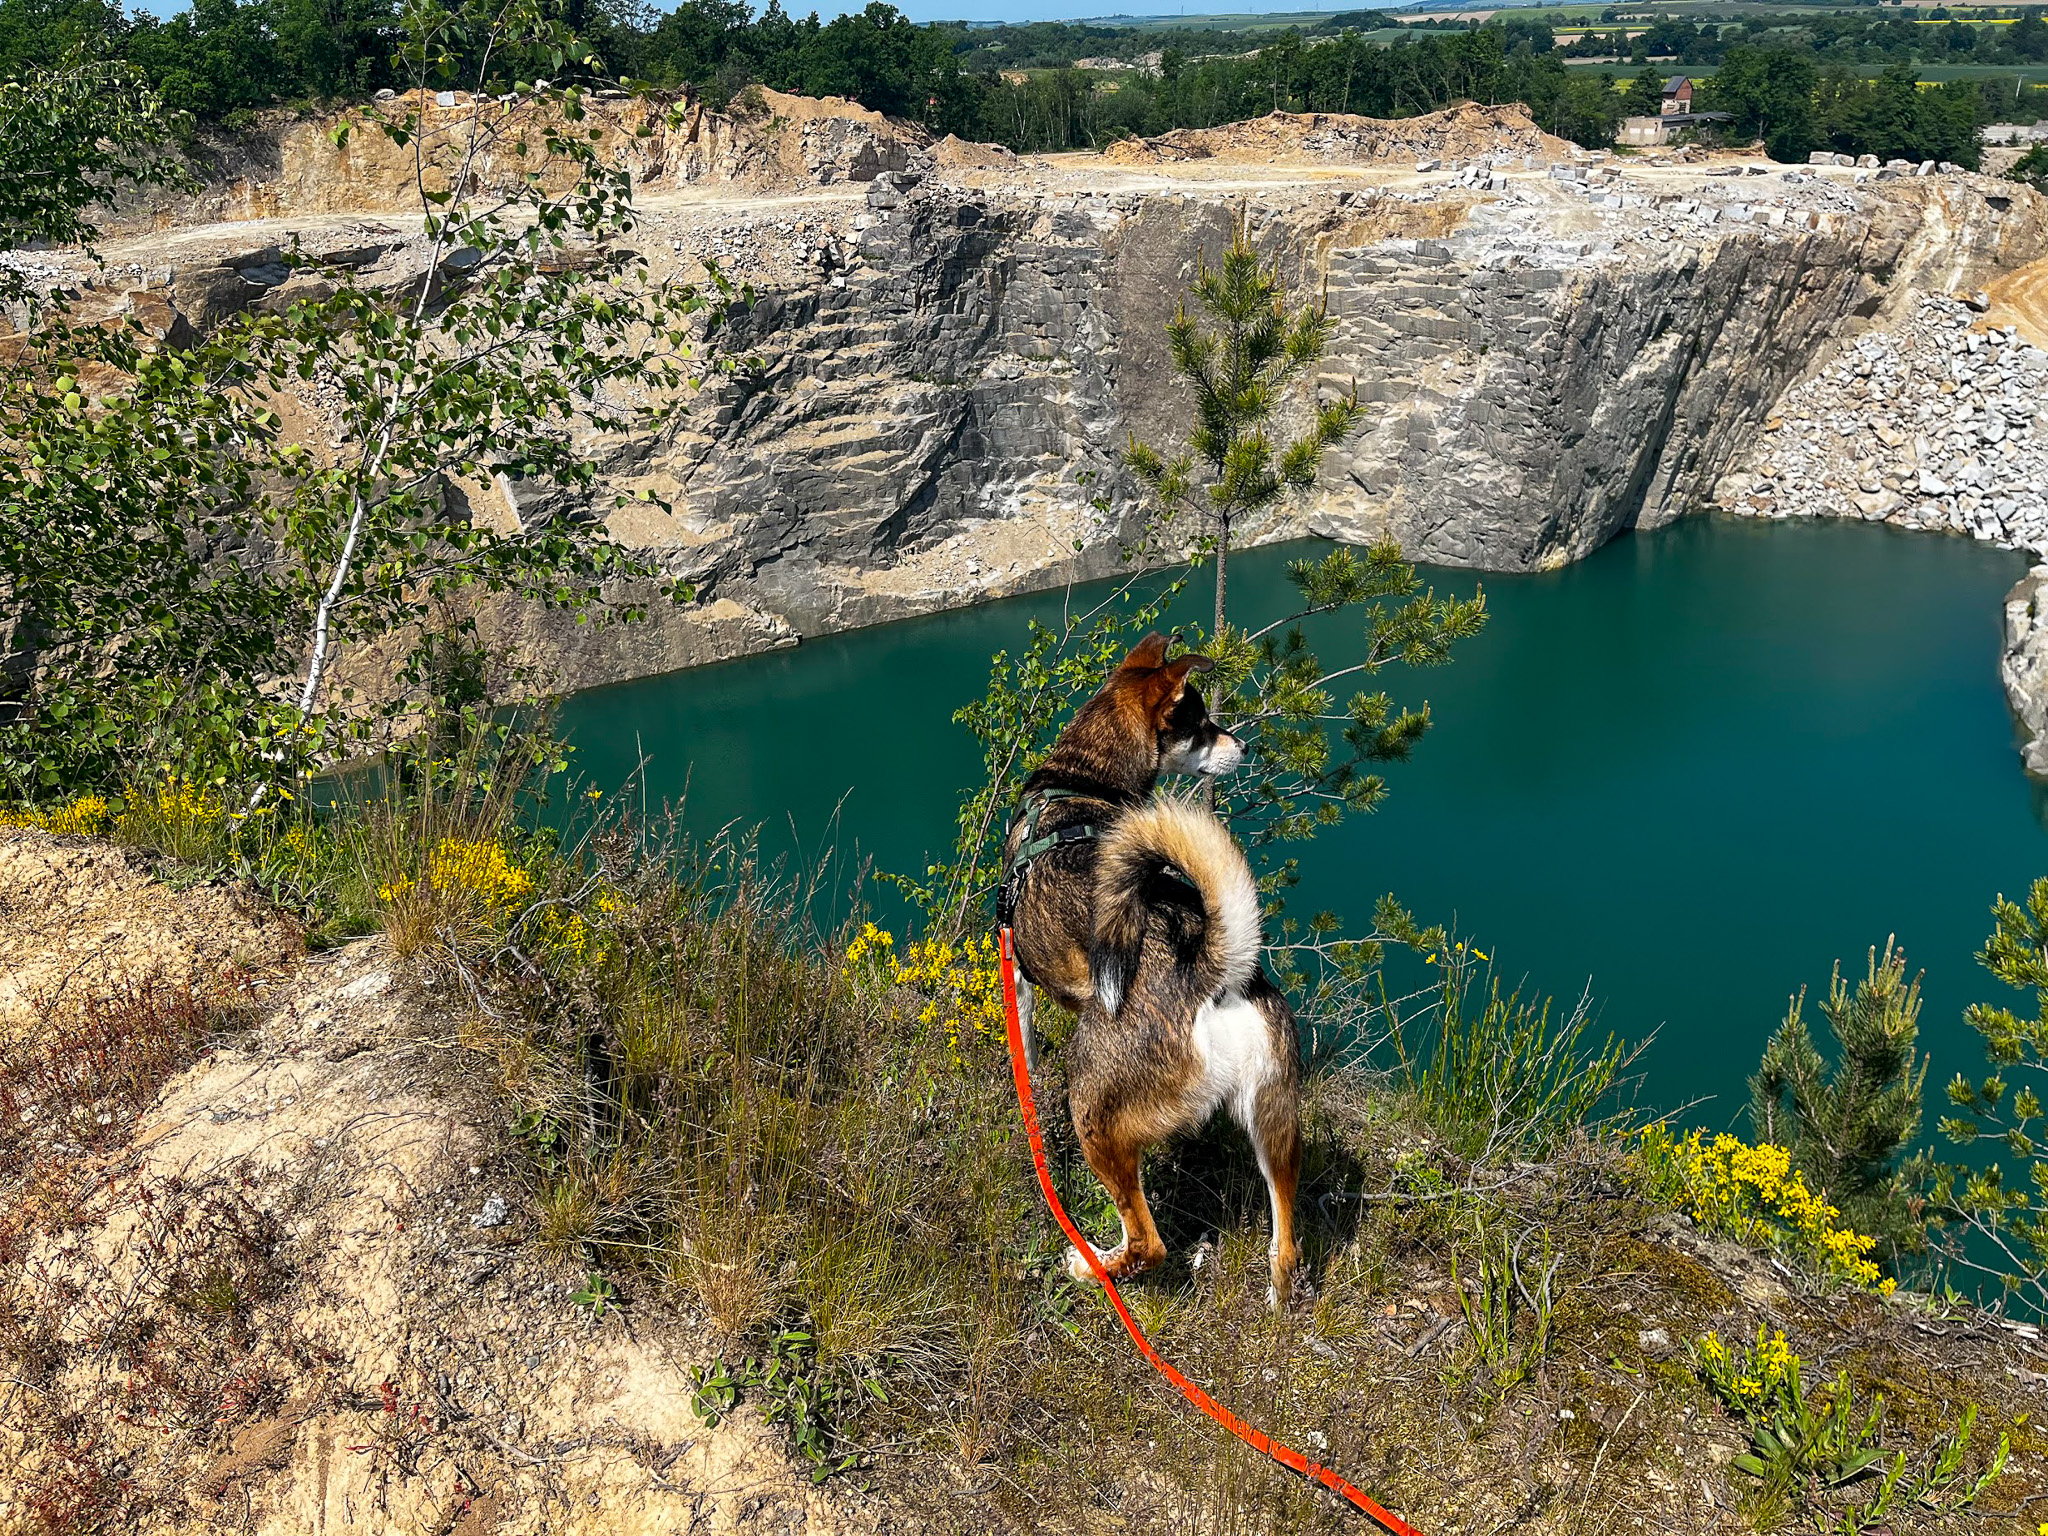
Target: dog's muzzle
point(1220, 755)
point(1223, 755)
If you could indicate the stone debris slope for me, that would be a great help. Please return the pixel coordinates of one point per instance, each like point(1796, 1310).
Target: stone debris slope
point(1460, 131)
point(1941, 423)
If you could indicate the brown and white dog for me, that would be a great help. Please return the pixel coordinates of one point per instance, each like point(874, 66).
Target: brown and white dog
point(1141, 916)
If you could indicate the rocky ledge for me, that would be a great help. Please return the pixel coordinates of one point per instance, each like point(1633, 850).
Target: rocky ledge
point(2024, 666)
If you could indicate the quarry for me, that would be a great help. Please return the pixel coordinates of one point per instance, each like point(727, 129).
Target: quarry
point(933, 357)
point(946, 344)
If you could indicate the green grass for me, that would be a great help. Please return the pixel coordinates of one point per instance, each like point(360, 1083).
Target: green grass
point(1498, 1076)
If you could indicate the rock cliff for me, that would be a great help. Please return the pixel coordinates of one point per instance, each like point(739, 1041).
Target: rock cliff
point(952, 345)
point(2024, 666)
point(947, 414)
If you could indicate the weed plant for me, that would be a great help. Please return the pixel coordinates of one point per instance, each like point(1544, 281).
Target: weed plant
point(1821, 1453)
point(1508, 1308)
point(1497, 1075)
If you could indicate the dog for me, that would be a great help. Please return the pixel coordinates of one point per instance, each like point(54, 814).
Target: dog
point(1142, 917)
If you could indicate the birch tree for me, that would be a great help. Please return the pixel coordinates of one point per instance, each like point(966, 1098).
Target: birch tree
point(184, 573)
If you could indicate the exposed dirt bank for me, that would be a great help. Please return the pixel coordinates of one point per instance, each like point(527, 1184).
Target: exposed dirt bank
point(304, 1290)
point(82, 919)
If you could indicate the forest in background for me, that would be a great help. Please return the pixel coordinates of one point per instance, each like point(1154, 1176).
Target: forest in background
point(1798, 81)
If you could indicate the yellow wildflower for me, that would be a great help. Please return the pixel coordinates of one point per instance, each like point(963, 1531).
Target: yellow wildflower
point(1755, 1195)
point(85, 816)
point(480, 868)
point(961, 983)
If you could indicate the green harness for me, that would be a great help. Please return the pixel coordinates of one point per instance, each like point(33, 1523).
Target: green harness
point(1036, 844)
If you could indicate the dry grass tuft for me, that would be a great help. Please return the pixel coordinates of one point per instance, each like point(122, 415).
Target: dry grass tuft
point(78, 1081)
point(124, 1300)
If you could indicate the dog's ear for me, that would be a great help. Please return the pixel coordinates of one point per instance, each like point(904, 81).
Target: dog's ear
point(1148, 656)
point(1164, 687)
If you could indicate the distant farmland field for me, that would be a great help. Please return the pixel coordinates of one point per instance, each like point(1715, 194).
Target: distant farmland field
point(2032, 74)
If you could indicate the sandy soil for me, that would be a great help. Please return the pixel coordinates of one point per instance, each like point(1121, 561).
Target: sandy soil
point(403, 1355)
point(2020, 298)
point(78, 918)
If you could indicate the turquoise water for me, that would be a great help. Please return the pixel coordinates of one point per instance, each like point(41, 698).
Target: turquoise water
point(1689, 772)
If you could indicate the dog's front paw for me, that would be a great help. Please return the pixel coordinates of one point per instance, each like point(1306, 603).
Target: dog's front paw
point(1291, 1292)
point(1078, 1267)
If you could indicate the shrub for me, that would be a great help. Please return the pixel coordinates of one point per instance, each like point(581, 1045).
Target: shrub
point(959, 985)
point(2032, 168)
point(1754, 1195)
point(1500, 1076)
point(183, 580)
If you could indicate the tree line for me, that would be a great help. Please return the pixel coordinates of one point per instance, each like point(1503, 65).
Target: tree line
point(1849, 39)
point(221, 60)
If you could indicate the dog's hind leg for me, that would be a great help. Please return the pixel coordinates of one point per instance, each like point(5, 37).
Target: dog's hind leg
point(1027, 997)
point(1274, 1127)
point(1115, 1161)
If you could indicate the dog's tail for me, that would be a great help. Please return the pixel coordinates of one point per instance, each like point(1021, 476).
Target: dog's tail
point(1141, 846)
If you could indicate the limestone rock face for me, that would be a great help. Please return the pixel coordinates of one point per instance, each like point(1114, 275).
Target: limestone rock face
point(941, 417)
point(946, 349)
point(1526, 414)
point(2024, 666)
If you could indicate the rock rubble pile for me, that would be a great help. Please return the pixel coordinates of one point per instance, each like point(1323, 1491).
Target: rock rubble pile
point(1652, 212)
point(1463, 132)
point(1940, 424)
point(805, 245)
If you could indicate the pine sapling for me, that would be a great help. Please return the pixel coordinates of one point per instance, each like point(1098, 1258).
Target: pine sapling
point(1846, 1123)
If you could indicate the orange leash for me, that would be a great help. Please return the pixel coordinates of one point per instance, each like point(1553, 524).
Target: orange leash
point(1286, 1455)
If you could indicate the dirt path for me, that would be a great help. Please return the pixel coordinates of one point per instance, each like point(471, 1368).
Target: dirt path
point(2021, 298)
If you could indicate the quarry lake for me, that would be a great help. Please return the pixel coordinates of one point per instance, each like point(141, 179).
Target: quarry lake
point(1688, 773)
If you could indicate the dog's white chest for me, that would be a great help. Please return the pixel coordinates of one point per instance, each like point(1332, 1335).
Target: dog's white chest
point(1235, 1049)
